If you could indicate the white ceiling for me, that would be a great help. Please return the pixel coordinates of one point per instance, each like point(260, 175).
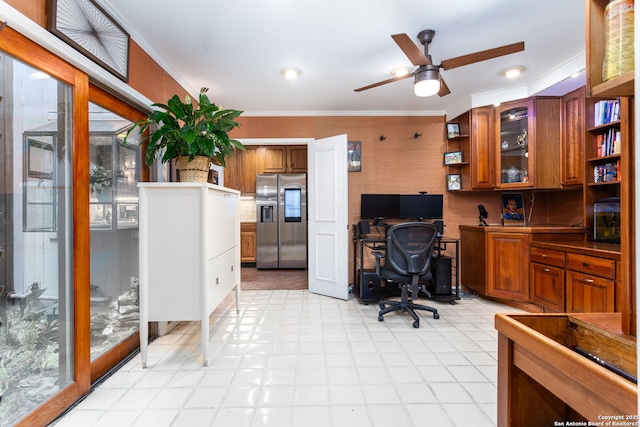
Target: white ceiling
point(237, 49)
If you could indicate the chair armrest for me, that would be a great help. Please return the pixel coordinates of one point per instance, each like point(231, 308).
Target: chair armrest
point(378, 256)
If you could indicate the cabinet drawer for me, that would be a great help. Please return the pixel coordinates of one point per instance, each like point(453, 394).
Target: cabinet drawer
point(592, 265)
point(547, 286)
point(547, 256)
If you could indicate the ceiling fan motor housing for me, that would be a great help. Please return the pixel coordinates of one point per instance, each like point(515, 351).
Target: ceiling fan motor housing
point(427, 72)
point(426, 36)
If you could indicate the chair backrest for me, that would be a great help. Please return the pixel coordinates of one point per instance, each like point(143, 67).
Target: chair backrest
point(409, 247)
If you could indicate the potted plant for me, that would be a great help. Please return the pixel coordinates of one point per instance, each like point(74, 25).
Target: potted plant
point(195, 136)
point(99, 180)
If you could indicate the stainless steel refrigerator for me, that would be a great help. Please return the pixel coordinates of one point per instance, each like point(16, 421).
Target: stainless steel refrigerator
point(281, 228)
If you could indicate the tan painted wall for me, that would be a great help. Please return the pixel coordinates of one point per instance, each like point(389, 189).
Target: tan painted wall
point(403, 164)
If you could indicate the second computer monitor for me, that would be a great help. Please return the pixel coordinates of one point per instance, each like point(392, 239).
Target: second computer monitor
point(421, 206)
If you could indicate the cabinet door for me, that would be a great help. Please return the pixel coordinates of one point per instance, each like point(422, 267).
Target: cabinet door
point(514, 130)
point(507, 266)
point(275, 159)
point(482, 175)
point(233, 171)
point(572, 138)
point(589, 294)
point(250, 167)
point(547, 286)
point(248, 242)
point(297, 158)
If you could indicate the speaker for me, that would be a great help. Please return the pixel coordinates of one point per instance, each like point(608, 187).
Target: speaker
point(441, 275)
point(363, 228)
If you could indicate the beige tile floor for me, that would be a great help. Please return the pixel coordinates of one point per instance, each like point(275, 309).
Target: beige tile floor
point(293, 358)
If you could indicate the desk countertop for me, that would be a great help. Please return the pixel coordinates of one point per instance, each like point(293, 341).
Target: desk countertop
point(605, 250)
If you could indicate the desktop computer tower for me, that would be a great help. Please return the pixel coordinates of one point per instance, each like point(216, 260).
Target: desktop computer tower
point(441, 276)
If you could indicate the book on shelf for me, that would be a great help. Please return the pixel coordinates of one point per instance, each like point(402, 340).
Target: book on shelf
point(608, 143)
point(606, 111)
point(609, 172)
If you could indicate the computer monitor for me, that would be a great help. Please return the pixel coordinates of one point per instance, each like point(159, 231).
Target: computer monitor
point(379, 206)
point(421, 206)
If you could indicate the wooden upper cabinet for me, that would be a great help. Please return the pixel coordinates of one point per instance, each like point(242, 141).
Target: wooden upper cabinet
point(528, 144)
point(482, 148)
point(572, 136)
point(297, 158)
point(241, 169)
point(275, 159)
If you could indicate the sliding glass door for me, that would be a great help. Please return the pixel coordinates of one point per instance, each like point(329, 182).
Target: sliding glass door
point(36, 231)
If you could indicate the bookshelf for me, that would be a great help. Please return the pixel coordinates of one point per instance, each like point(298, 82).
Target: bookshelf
point(461, 144)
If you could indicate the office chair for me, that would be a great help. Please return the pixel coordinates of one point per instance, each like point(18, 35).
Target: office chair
point(407, 262)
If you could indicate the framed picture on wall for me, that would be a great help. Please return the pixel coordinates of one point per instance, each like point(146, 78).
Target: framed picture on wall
point(453, 157)
point(454, 182)
point(354, 156)
point(513, 209)
point(453, 130)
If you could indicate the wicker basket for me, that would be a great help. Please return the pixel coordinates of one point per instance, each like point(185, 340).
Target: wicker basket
point(196, 170)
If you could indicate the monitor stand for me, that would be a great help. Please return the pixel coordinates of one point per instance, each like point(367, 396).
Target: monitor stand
point(377, 223)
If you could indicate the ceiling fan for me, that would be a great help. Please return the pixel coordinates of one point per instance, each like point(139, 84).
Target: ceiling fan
point(427, 76)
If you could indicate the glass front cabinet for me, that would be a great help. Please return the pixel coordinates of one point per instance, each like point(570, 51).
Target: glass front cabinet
point(514, 128)
point(528, 144)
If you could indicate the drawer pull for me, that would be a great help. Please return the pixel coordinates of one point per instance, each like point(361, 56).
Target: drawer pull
point(585, 264)
point(588, 280)
point(544, 256)
point(546, 270)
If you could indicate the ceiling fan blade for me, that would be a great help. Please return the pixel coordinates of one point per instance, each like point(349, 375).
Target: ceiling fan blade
point(410, 49)
point(482, 55)
point(384, 82)
point(444, 89)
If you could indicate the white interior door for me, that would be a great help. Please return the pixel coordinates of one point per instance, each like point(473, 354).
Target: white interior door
point(327, 192)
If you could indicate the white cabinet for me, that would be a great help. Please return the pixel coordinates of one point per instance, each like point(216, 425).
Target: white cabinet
point(189, 254)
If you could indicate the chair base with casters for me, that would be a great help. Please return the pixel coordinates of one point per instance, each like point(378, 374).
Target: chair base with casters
point(406, 304)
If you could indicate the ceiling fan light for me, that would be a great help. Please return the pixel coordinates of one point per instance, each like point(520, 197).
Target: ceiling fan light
point(427, 81)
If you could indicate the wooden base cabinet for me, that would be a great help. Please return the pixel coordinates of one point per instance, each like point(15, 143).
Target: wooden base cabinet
point(507, 276)
point(495, 262)
point(547, 286)
point(577, 277)
point(547, 278)
point(248, 242)
point(589, 294)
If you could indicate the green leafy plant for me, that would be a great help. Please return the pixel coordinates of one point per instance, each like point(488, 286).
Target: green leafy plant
point(184, 130)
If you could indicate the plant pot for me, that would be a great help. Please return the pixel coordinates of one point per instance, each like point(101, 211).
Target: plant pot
point(196, 170)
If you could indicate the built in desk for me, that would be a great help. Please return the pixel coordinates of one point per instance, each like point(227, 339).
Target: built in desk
point(369, 287)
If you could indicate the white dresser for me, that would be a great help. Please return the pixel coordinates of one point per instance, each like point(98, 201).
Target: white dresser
point(189, 254)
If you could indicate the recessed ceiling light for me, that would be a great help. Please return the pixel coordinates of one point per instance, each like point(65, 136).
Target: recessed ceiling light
point(400, 71)
point(513, 72)
point(290, 72)
point(40, 75)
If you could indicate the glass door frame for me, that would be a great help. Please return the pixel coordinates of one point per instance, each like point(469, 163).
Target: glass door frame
point(106, 361)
